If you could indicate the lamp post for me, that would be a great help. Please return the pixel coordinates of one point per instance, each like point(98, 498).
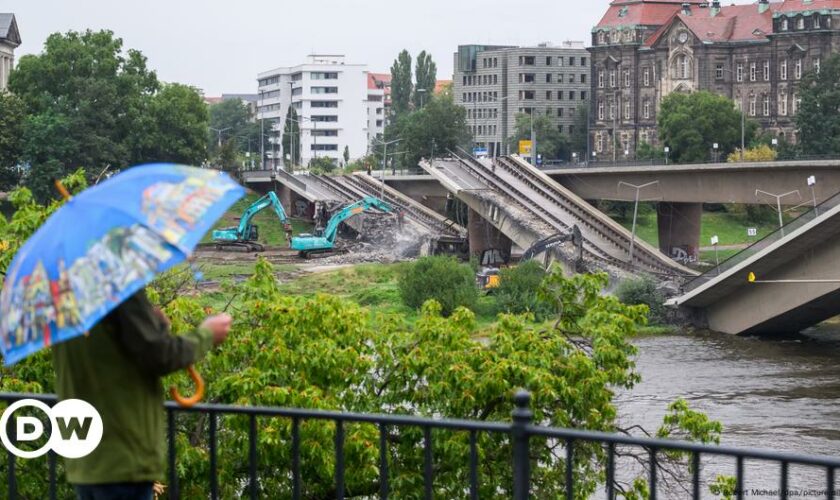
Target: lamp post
point(219, 133)
point(812, 181)
point(667, 150)
point(715, 149)
point(779, 204)
point(715, 242)
point(635, 210)
point(422, 95)
point(385, 162)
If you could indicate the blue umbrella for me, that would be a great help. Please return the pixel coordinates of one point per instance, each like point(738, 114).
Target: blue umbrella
point(103, 246)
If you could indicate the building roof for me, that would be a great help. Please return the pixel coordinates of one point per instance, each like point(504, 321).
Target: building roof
point(642, 12)
point(379, 81)
point(8, 29)
point(790, 6)
point(212, 100)
point(441, 85)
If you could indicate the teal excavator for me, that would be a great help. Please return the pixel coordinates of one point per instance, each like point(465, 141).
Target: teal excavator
point(245, 235)
point(324, 241)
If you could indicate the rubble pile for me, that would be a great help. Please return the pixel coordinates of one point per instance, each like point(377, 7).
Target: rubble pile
point(382, 238)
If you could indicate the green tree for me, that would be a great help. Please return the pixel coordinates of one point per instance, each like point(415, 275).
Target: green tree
point(401, 85)
point(645, 151)
point(443, 279)
point(438, 126)
point(817, 118)
point(690, 124)
point(579, 138)
point(90, 103)
point(291, 137)
point(425, 76)
point(12, 121)
point(322, 165)
point(346, 155)
point(178, 127)
point(236, 119)
point(551, 144)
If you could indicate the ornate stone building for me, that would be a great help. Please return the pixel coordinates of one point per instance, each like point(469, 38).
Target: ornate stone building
point(642, 50)
point(9, 41)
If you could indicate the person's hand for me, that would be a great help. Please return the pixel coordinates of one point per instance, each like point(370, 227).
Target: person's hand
point(219, 326)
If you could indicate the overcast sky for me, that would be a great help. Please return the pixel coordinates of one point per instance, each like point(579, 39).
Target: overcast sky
point(221, 45)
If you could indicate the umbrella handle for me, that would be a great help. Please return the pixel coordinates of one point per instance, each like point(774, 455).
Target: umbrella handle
point(199, 390)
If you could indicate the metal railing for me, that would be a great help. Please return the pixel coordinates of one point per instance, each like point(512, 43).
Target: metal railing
point(519, 431)
point(661, 161)
point(764, 242)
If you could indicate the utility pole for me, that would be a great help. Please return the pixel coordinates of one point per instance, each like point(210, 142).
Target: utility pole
point(219, 133)
point(533, 140)
point(779, 204)
point(635, 210)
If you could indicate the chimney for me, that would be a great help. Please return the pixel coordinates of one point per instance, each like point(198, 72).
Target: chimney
point(686, 9)
point(715, 10)
point(763, 6)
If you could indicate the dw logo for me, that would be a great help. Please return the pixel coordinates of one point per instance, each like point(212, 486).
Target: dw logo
point(76, 428)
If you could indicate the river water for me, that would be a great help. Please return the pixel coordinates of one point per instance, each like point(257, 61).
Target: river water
point(782, 394)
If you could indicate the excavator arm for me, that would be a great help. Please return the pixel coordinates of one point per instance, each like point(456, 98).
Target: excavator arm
point(244, 235)
point(307, 244)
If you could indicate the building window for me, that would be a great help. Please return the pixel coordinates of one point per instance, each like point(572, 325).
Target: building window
point(571, 95)
point(783, 26)
point(627, 110)
point(816, 21)
point(783, 69)
point(817, 64)
point(626, 78)
point(571, 60)
point(765, 105)
point(600, 79)
point(646, 109)
point(739, 72)
point(548, 60)
point(752, 105)
point(766, 71)
point(324, 147)
point(582, 95)
point(559, 95)
point(600, 110)
point(797, 103)
point(583, 61)
point(800, 23)
point(526, 95)
point(572, 78)
point(560, 128)
point(527, 60)
point(783, 104)
point(495, 79)
point(600, 38)
point(325, 133)
point(752, 72)
point(571, 111)
point(797, 70)
point(324, 104)
point(547, 95)
point(548, 78)
point(583, 78)
point(646, 77)
point(681, 67)
point(719, 72)
point(612, 109)
point(612, 79)
point(322, 75)
point(527, 77)
point(559, 78)
point(560, 112)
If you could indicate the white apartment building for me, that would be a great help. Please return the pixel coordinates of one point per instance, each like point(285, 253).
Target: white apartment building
point(331, 101)
point(9, 41)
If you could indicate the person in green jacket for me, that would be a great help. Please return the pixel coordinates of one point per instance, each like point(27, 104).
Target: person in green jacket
point(117, 368)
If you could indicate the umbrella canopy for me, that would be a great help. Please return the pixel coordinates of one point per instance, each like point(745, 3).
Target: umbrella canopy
point(103, 246)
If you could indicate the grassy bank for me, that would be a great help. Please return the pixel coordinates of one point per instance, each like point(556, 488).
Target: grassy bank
point(270, 228)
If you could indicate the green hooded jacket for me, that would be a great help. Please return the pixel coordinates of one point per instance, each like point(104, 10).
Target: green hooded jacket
point(117, 368)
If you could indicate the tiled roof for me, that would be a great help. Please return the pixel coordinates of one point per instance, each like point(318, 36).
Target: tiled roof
point(805, 5)
point(379, 81)
point(734, 23)
point(643, 12)
point(441, 85)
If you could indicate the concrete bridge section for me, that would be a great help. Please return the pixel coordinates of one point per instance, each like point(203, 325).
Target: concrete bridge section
point(510, 200)
point(808, 250)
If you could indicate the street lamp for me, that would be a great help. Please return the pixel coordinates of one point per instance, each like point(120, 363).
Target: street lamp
point(779, 203)
point(812, 181)
point(667, 150)
point(385, 162)
point(715, 242)
point(715, 148)
point(422, 95)
point(635, 209)
point(219, 132)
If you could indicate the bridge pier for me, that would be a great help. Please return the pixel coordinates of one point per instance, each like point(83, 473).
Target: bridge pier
point(679, 230)
point(484, 236)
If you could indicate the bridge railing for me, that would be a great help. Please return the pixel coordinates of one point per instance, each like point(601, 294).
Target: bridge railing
point(521, 437)
point(598, 162)
point(764, 242)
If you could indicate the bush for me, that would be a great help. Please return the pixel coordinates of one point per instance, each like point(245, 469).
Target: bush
point(642, 291)
point(517, 292)
point(443, 279)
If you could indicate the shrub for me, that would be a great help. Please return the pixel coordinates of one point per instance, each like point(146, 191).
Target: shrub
point(517, 292)
point(642, 291)
point(443, 279)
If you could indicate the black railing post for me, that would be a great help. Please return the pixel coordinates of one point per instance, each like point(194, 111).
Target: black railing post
point(522, 418)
